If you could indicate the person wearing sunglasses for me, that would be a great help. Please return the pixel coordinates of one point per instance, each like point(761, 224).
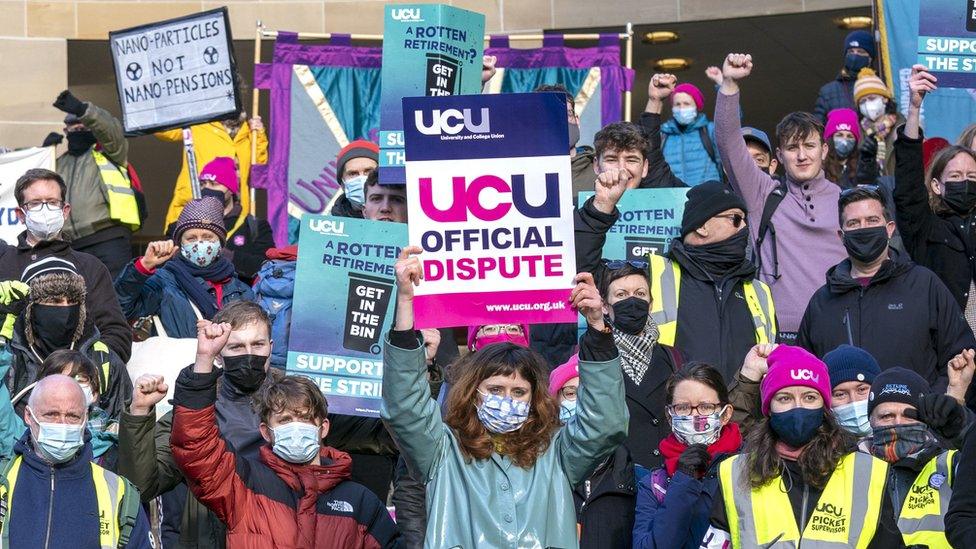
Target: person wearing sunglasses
point(877, 299)
point(703, 297)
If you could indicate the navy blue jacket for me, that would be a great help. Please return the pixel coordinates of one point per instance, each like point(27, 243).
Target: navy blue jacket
point(836, 94)
point(59, 498)
point(682, 519)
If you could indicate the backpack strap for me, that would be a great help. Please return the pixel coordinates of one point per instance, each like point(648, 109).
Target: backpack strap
point(710, 149)
point(773, 201)
point(128, 512)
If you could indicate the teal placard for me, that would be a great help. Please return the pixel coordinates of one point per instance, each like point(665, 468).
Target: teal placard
point(428, 50)
point(649, 219)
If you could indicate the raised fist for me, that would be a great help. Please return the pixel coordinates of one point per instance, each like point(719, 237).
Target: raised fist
point(661, 86)
point(147, 391)
point(737, 66)
point(158, 253)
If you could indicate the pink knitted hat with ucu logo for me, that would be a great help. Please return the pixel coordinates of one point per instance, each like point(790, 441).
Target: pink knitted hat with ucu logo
point(791, 366)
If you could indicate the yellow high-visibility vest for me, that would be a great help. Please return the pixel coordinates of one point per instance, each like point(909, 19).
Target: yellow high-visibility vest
point(115, 510)
point(122, 205)
point(921, 519)
point(665, 290)
point(846, 515)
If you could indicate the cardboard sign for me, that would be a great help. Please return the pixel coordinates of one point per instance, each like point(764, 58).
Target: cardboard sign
point(344, 288)
point(428, 50)
point(176, 73)
point(947, 41)
point(13, 165)
point(649, 219)
point(489, 192)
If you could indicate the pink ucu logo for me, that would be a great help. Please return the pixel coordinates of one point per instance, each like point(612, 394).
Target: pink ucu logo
point(466, 198)
point(805, 375)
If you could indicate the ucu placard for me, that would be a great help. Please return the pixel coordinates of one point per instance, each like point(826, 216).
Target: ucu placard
point(489, 198)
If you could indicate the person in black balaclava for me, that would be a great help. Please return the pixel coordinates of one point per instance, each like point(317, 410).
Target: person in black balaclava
point(104, 211)
point(245, 362)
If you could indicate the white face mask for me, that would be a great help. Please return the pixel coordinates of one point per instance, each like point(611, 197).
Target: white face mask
point(873, 108)
point(355, 190)
point(854, 417)
point(44, 224)
point(89, 395)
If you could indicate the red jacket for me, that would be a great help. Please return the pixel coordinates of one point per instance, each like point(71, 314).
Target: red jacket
point(269, 502)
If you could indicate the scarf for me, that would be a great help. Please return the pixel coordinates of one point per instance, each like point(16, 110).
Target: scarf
point(188, 275)
point(729, 442)
point(788, 452)
point(635, 350)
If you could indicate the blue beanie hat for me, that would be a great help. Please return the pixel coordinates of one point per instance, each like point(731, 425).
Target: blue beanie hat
point(861, 39)
point(849, 363)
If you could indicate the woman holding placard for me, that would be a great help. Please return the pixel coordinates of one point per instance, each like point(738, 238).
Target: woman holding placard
point(500, 467)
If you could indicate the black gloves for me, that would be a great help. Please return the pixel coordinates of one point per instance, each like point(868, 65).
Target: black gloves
point(70, 104)
point(942, 413)
point(694, 460)
point(868, 147)
point(53, 138)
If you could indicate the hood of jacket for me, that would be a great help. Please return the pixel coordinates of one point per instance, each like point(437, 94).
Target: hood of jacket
point(673, 128)
point(336, 467)
point(840, 281)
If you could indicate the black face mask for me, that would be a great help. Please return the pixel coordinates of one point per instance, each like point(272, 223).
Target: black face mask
point(80, 141)
point(960, 195)
point(854, 63)
point(246, 372)
point(718, 258)
point(54, 325)
point(219, 195)
point(630, 315)
point(866, 245)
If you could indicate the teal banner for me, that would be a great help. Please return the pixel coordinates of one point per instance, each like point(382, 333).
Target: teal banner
point(428, 50)
point(649, 219)
point(346, 281)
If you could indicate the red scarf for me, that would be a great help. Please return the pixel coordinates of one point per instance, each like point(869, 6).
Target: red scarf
point(729, 442)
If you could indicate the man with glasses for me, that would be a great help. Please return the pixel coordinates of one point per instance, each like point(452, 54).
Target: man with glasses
point(703, 297)
point(880, 301)
point(42, 208)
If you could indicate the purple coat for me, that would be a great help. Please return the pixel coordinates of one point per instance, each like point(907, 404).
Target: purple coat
point(806, 220)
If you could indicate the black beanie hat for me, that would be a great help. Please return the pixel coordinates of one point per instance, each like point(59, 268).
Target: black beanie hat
point(705, 201)
point(897, 385)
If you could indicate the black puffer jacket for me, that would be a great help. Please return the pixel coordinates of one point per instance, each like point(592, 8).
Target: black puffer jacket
point(943, 242)
point(605, 504)
point(904, 317)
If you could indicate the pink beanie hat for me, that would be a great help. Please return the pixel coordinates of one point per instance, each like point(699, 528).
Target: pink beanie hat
point(223, 171)
point(473, 334)
point(790, 366)
point(691, 90)
point(840, 120)
point(562, 374)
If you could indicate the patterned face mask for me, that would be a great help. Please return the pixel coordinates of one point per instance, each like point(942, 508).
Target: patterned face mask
point(502, 414)
point(201, 253)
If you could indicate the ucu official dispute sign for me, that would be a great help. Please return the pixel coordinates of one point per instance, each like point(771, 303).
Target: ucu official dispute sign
point(489, 192)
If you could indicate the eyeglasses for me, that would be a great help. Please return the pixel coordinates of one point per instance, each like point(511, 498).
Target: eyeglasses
point(873, 190)
point(614, 264)
point(685, 409)
point(36, 205)
point(495, 329)
point(736, 219)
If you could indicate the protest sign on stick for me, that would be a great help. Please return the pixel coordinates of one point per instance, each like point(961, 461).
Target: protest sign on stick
point(489, 194)
point(428, 50)
point(176, 73)
point(947, 41)
point(13, 165)
point(343, 306)
point(649, 219)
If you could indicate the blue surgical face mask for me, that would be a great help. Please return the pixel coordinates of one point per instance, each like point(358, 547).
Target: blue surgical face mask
point(567, 410)
point(296, 442)
point(356, 190)
point(798, 426)
point(853, 417)
point(201, 253)
point(684, 115)
point(844, 146)
point(58, 442)
point(502, 414)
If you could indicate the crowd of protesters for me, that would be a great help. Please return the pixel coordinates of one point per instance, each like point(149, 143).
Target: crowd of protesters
point(795, 370)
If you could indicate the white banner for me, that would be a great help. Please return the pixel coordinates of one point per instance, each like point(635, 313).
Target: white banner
point(175, 73)
point(12, 166)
